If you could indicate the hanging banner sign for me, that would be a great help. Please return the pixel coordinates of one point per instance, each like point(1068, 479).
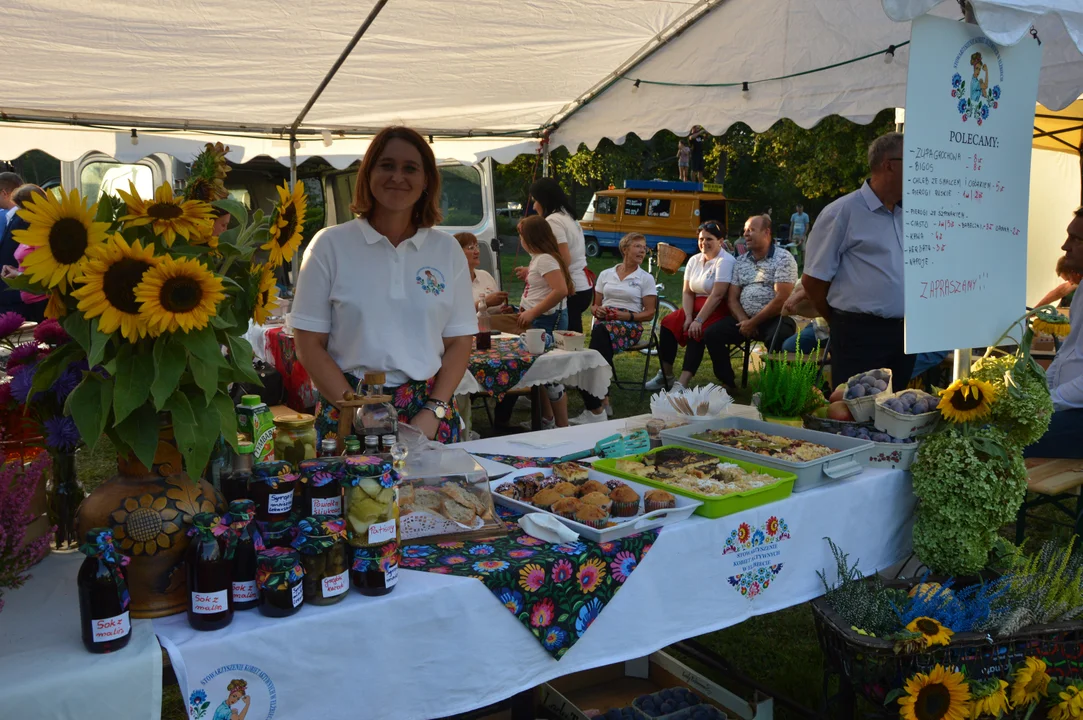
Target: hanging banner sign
point(969, 120)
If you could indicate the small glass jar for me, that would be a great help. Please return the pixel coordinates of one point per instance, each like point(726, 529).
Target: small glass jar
point(387, 442)
point(295, 438)
point(281, 586)
point(321, 542)
point(276, 534)
point(210, 574)
point(372, 444)
point(375, 570)
point(272, 487)
point(321, 492)
point(245, 590)
point(372, 514)
point(103, 594)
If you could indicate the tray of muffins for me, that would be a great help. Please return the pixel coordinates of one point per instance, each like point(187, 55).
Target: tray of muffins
point(599, 507)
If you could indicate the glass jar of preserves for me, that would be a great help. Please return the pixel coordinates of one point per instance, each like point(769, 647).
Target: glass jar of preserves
point(276, 534)
point(372, 514)
point(295, 438)
point(245, 591)
point(321, 542)
point(272, 487)
point(103, 594)
point(279, 573)
point(209, 567)
point(321, 491)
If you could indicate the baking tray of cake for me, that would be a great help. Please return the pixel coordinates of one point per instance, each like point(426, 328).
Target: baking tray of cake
point(842, 463)
point(618, 527)
point(747, 485)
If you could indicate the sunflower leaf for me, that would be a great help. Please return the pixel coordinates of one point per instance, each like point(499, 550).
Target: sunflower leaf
point(205, 376)
point(203, 345)
point(77, 326)
point(234, 208)
point(134, 376)
point(53, 365)
point(104, 213)
point(24, 283)
point(98, 341)
point(893, 696)
point(227, 413)
point(140, 431)
point(169, 362)
point(89, 406)
point(241, 352)
point(196, 430)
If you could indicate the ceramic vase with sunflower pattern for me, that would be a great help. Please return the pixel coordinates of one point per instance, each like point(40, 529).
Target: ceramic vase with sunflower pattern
point(149, 512)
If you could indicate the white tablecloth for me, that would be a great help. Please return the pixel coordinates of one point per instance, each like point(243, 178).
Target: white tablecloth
point(441, 645)
point(46, 671)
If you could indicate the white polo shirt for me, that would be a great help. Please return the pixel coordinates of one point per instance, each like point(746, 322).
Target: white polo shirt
point(385, 308)
point(626, 294)
point(701, 274)
point(569, 232)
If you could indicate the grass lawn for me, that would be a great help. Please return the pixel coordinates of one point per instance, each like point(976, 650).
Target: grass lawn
point(780, 650)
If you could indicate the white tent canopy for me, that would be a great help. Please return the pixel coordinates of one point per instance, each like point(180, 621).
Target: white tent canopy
point(487, 67)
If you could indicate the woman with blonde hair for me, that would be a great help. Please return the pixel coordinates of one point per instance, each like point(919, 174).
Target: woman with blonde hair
point(624, 297)
point(388, 292)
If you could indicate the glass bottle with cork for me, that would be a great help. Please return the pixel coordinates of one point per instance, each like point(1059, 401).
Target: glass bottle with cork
point(372, 531)
point(103, 594)
point(245, 591)
point(209, 561)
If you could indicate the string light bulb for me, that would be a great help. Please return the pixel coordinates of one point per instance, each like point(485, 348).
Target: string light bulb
point(889, 56)
point(635, 86)
point(744, 90)
point(134, 140)
point(327, 139)
point(296, 144)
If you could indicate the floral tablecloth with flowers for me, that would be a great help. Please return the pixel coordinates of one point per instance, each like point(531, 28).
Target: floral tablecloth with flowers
point(556, 591)
point(501, 367)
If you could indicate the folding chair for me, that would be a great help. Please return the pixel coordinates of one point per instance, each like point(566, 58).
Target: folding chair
point(648, 342)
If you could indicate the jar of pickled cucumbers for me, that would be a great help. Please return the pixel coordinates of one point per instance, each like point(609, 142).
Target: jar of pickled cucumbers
point(321, 542)
point(295, 438)
point(372, 514)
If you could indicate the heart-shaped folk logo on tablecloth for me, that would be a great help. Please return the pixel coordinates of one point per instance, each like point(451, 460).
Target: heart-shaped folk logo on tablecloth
point(755, 557)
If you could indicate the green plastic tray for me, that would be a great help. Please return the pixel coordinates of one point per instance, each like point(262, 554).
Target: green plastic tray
point(713, 506)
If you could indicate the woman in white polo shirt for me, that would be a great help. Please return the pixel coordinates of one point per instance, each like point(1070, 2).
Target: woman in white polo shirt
point(552, 204)
point(386, 292)
point(624, 297)
point(700, 308)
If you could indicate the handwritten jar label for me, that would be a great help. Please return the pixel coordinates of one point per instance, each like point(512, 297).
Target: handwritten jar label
point(280, 503)
point(245, 591)
point(391, 576)
point(336, 584)
point(210, 603)
point(298, 594)
point(327, 506)
point(107, 629)
point(381, 532)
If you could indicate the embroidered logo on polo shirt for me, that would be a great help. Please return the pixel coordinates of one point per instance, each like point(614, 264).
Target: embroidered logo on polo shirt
point(431, 280)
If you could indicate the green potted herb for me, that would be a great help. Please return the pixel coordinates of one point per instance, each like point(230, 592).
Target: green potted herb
point(786, 388)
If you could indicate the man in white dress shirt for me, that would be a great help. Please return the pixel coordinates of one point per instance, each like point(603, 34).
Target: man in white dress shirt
point(1065, 375)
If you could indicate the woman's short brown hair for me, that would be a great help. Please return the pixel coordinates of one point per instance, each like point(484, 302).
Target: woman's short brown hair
point(627, 240)
point(427, 209)
point(465, 239)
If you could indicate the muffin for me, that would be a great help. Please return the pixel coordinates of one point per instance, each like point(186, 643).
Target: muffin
point(625, 502)
point(567, 507)
point(597, 499)
point(566, 489)
point(507, 490)
point(614, 484)
point(658, 500)
point(545, 498)
point(528, 485)
point(592, 516)
point(592, 486)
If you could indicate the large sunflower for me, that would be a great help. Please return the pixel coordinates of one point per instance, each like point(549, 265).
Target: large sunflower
point(1070, 706)
point(266, 293)
point(940, 695)
point(1051, 326)
point(109, 283)
point(934, 632)
point(988, 698)
point(178, 293)
point(966, 399)
point(287, 223)
point(167, 215)
point(64, 232)
point(1030, 683)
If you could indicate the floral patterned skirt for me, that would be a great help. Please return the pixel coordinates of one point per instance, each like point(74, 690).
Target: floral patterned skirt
point(409, 399)
point(623, 334)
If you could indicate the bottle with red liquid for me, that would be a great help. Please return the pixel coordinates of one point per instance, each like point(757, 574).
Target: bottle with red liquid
point(483, 339)
point(209, 561)
point(245, 591)
point(103, 594)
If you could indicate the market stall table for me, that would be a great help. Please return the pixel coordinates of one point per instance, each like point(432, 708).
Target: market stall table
point(49, 674)
point(440, 645)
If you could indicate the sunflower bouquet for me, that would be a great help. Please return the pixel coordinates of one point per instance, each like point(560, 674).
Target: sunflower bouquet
point(157, 305)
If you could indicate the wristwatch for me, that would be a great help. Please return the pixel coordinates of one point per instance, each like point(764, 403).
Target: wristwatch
point(439, 408)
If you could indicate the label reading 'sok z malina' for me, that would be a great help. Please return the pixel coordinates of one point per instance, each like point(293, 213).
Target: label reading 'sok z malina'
point(107, 629)
point(245, 591)
point(209, 603)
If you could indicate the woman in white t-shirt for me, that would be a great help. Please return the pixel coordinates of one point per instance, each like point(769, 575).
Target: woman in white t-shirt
point(624, 296)
point(482, 283)
point(700, 307)
point(386, 292)
point(551, 203)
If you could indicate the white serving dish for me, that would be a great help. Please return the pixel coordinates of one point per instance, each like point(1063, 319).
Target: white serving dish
point(628, 526)
point(902, 426)
point(890, 455)
point(863, 408)
point(569, 340)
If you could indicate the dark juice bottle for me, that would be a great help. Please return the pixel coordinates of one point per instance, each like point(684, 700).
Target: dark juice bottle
point(234, 484)
point(210, 576)
point(103, 594)
point(245, 591)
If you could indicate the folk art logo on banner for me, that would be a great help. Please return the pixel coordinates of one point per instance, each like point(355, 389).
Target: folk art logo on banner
point(237, 690)
point(756, 555)
point(974, 94)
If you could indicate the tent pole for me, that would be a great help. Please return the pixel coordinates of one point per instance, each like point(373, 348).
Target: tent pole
point(961, 364)
point(338, 63)
point(296, 264)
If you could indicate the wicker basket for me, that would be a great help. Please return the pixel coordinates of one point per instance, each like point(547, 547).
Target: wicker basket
point(872, 669)
point(670, 258)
